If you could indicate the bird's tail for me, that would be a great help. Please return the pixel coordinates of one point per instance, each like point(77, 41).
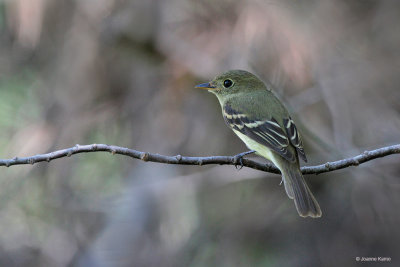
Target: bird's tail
point(297, 189)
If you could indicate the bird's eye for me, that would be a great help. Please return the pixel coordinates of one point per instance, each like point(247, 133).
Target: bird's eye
point(228, 83)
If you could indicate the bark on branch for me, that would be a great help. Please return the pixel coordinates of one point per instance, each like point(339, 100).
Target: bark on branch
point(182, 160)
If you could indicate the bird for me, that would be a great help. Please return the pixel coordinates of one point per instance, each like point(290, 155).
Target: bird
point(255, 114)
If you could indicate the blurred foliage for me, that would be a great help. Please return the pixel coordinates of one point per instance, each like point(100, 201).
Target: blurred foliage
point(16, 99)
point(122, 72)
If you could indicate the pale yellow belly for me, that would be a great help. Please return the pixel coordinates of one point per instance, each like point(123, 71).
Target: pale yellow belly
point(260, 149)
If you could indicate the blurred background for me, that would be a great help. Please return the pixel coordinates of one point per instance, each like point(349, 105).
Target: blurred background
point(122, 73)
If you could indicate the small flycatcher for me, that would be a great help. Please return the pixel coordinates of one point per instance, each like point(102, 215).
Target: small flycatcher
point(256, 115)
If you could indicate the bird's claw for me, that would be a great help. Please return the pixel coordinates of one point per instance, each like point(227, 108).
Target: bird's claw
point(240, 165)
point(239, 159)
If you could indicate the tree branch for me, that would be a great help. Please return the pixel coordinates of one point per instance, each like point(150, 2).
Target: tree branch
point(222, 160)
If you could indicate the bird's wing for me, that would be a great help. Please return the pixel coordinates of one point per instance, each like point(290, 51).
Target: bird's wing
point(294, 137)
point(266, 132)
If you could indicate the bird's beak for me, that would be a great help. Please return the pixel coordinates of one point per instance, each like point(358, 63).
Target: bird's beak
point(206, 86)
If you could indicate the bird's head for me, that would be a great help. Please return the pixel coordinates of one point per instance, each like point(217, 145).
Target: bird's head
point(232, 82)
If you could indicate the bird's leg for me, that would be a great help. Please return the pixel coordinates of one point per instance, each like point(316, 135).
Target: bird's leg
point(239, 158)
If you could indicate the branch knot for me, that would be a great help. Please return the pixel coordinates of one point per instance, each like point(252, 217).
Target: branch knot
point(144, 156)
point(328, 166)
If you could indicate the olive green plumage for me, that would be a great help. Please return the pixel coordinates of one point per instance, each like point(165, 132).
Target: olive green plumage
point(256, 115)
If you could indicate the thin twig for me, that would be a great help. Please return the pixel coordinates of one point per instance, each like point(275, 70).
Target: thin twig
point(222, 160)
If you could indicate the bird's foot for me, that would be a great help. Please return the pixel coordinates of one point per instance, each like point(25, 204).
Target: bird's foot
point(239, 158)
